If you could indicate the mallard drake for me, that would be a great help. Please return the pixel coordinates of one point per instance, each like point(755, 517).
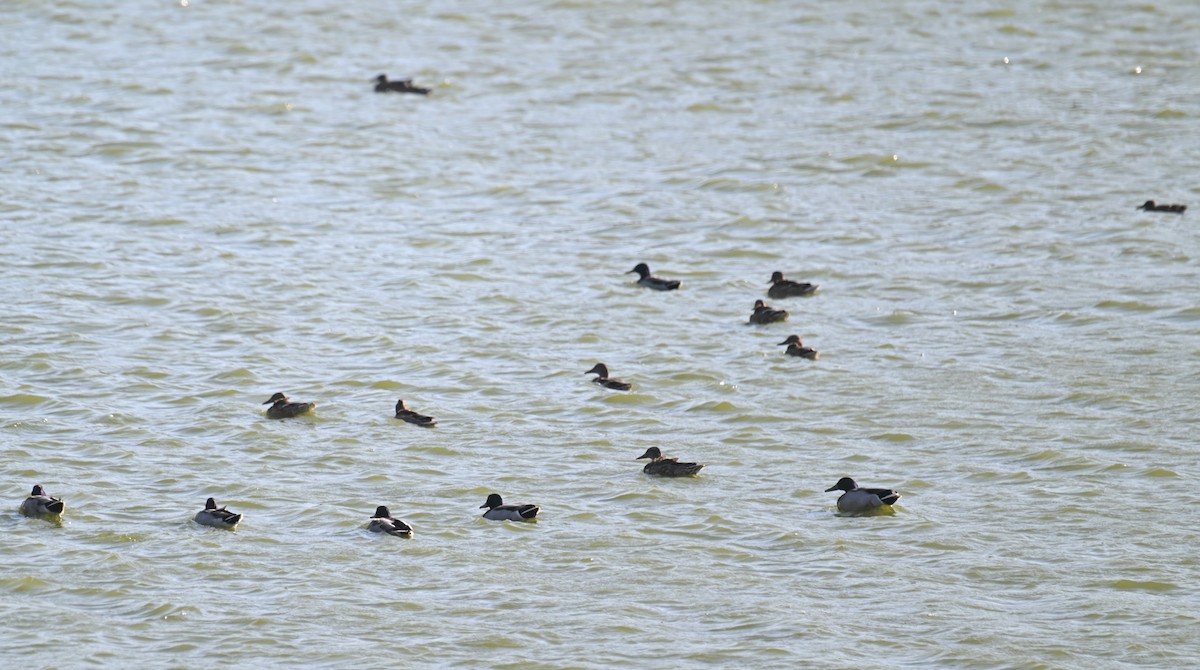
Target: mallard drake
point(856, 499)
point(765, 314)
point(606, 381)
point(498, 510)
point(383, 522)
point(667, 467)
point(217, 517)
point(40, 504)
point(650, 281)
point(282, 408)
point(1151, 206)
point(786, 288)
point(405, 414)
point(797, 348)
point(382, 85)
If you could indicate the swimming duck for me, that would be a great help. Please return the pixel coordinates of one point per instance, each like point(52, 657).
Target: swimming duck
point(786, 288)
point(797, 348)
point(667, 467)
point(498, 510)
point(861, 500)
point(282, 408)
point(1151, 206)
point(764, 314)
point(382, 85)
point(650, 281)
point(406, 414)
point(217, 517)
point(605, 381)
point(383, 522)
point(40, 504)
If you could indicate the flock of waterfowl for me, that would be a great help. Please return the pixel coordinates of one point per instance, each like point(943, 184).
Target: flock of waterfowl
point(852, 500)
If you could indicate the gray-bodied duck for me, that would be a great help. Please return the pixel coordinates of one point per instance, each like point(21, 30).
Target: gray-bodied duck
point(667, 467)
point(383, 522)
point(217, 517)
point(498, 510)
point(40, 504)
point(382, 85)
point(1151, 206)
point(796, 348)
point(282, 408)
point(764, 314)
point(650, 281)
point(857, 499)
point(606, 381)
point(786, 288)
point(405, 414)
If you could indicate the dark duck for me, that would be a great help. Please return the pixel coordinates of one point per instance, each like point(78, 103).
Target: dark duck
point(1151, 206)
point(405, 414)
point(763, 314)
point(786, 288)
point(382, 85)
point(650, 281)
point(282, 408)
point(606, 381)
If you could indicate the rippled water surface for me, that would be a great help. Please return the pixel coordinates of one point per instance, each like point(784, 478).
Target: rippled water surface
point(205, 203)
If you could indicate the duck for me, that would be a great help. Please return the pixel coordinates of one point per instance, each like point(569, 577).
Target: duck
point(406, 414)
point(650, 281)
point(217, 517)
point(1151, 206)
point(606, 381)
point(857, 499)
point(797, 348)
point(40, 504)
point(667, 467)
point(382, 85)
point(498, 510)
point(786, 288)
point(282, 408)
point(383, 522)
point(765, 314)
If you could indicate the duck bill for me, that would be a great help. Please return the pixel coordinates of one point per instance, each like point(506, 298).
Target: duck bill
point(834, 488)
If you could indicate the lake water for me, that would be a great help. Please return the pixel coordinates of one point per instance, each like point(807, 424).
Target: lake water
point(204, 203)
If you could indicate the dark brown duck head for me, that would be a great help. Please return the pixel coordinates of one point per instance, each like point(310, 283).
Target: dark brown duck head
point(278, 397)
point(599, 369)
point(653, 453)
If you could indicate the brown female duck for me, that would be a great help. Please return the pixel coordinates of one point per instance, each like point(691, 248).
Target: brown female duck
point(797, 348)
point(1151, 206)
point(763, 314)
point(282, 408)
point(786, 288)
point(667, 467)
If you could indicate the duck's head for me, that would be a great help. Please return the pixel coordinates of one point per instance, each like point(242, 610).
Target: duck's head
point(758, 304)
point(642, 269)
point(493, 501)
point(1148, 205)
point(653, 453)
point(776, 277)
point(844, 484)
point(400, 406)
point(382, 512)
point(210, 504)
point(278, 397)
point(792, 339)
point(381, 79)
point(598, 369)
point(38, 490)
